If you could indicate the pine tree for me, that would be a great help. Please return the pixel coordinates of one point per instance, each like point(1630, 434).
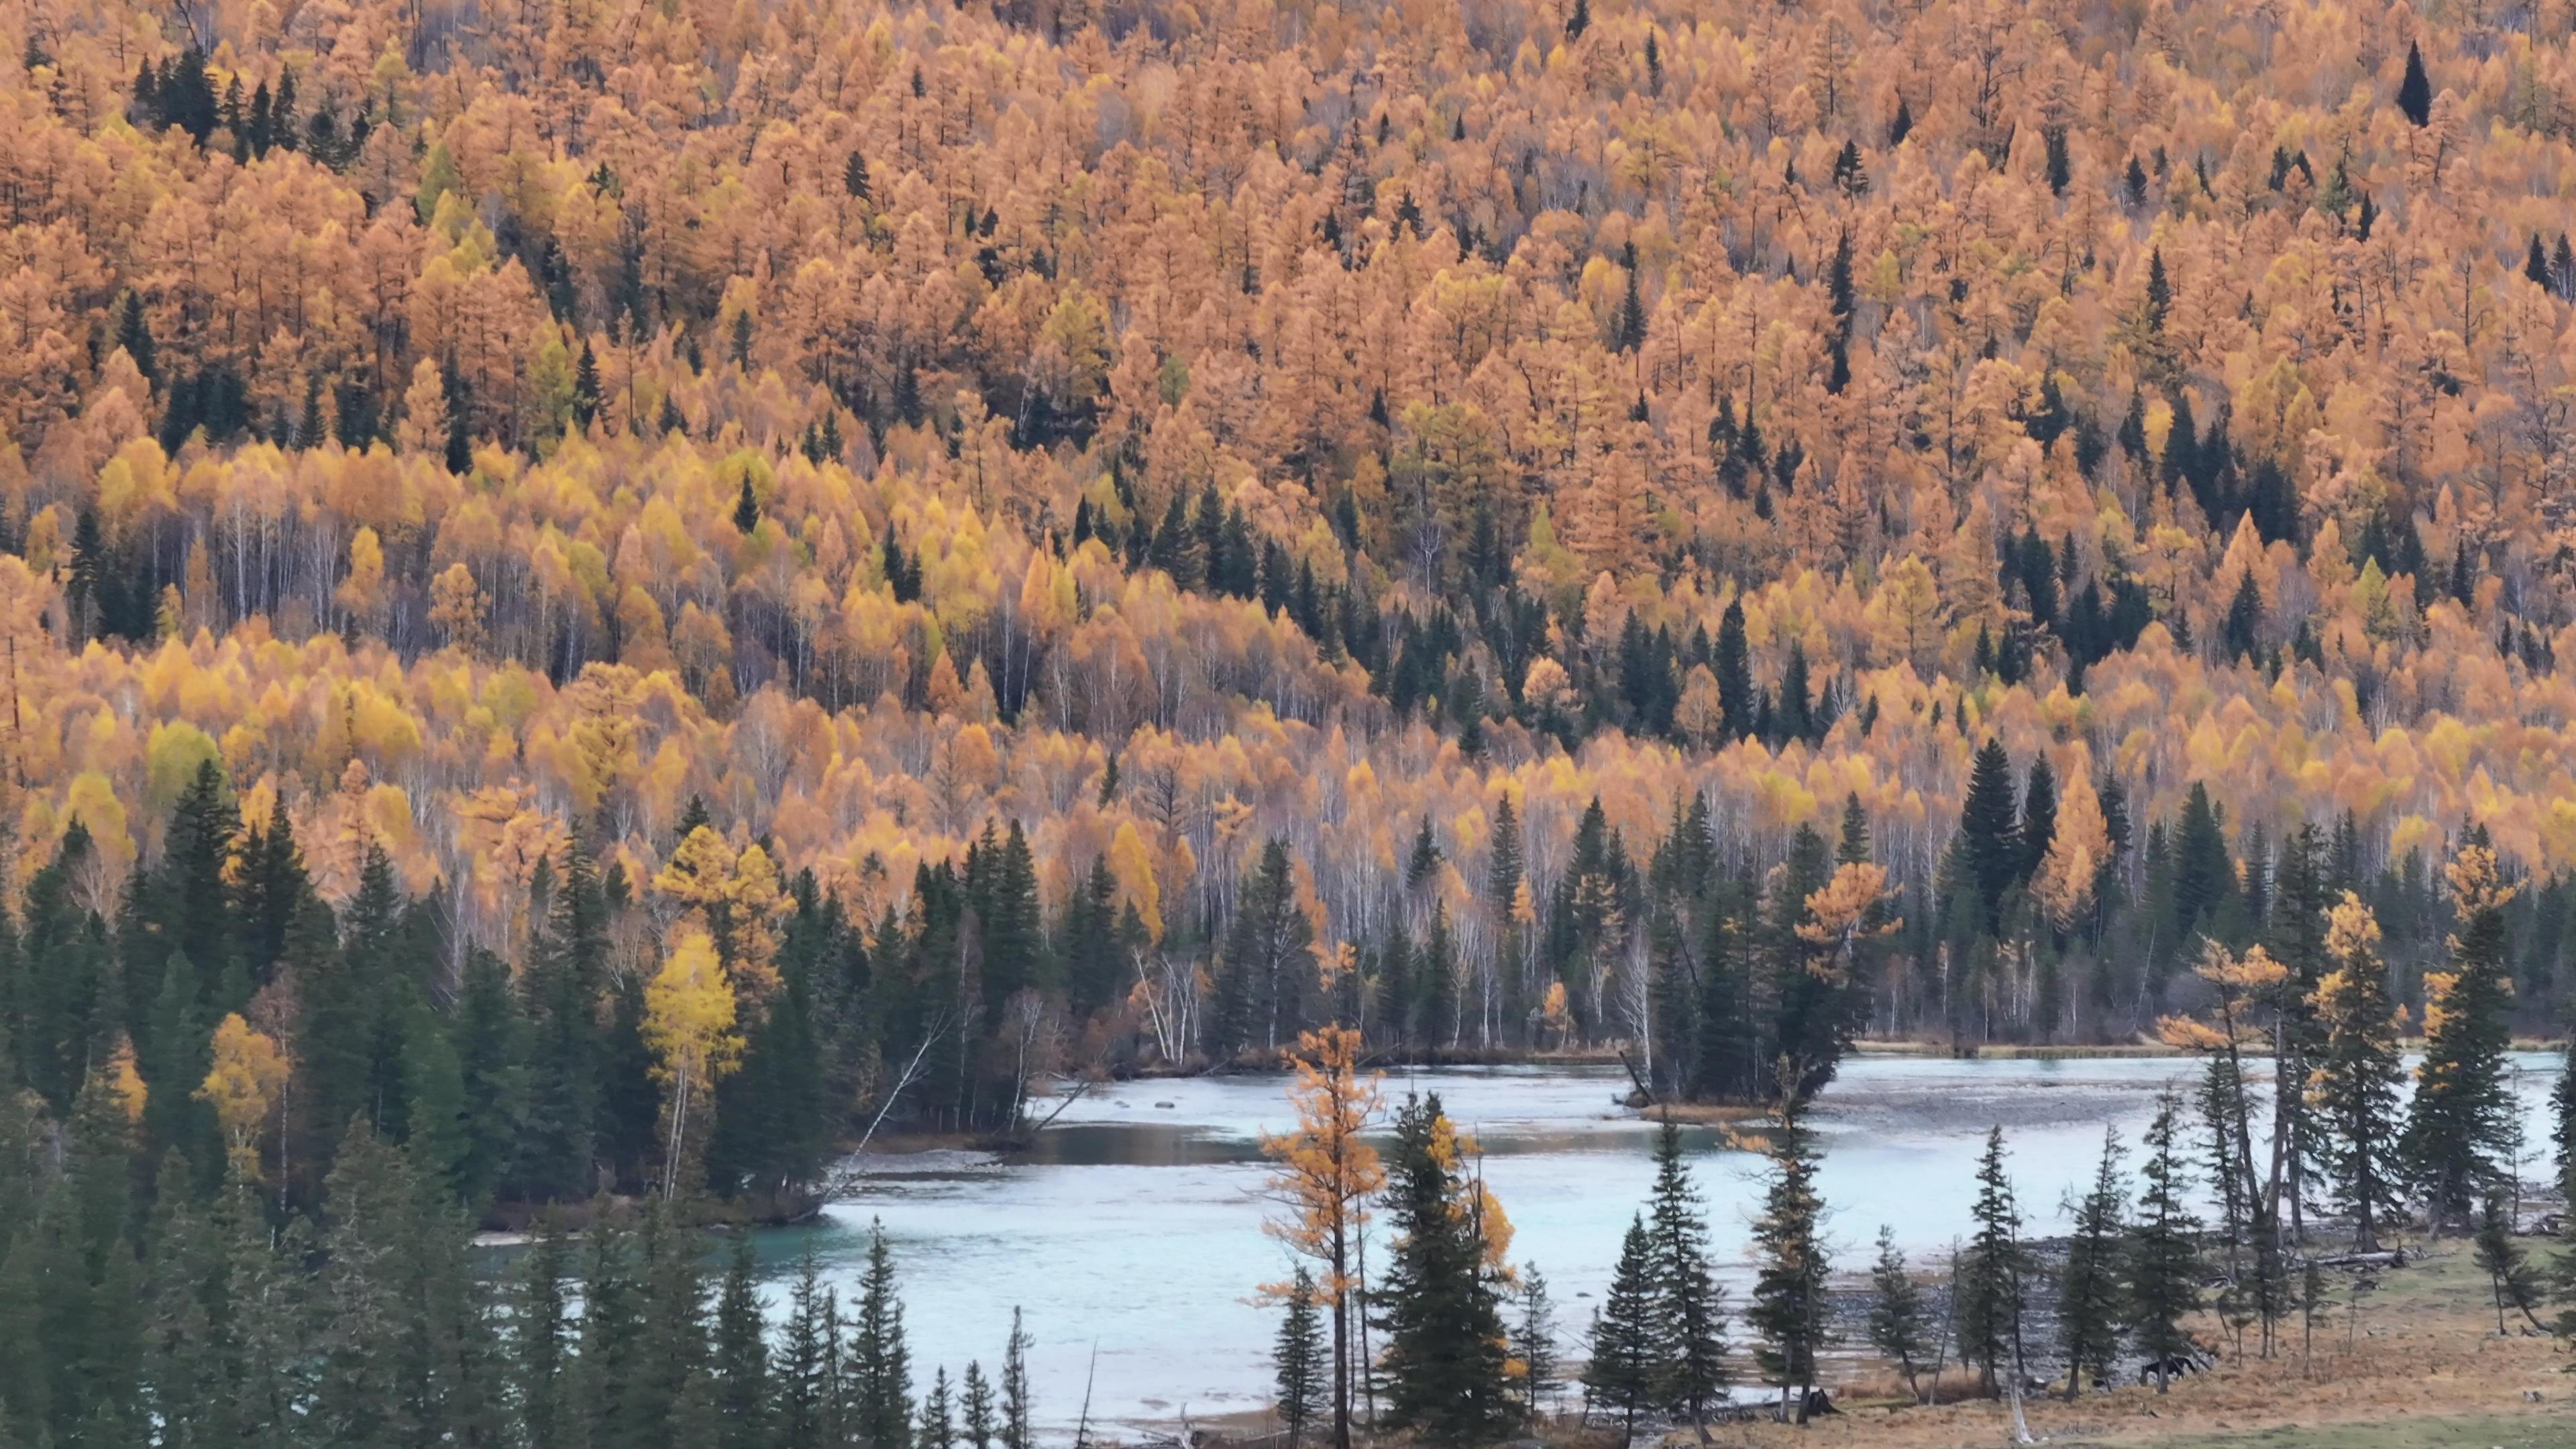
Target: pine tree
point(2204, 875)
point(746, 511)
point(2092, 1296)
point(2415, 92)
point(1689, 1304)
point(876, 1367)
point(2511, 1278)
point(1534, 1343)
point(801, 1374)
point(2353, 1086)
point(2038, 828)
point(670, 1400)
point(1298, 1360)
point(2463, 1110)
point(1993, 1277)
point(2164, 1259)
point(1788, 1311)
point(1015, 1431)
point(1444, 1359)
point(2244, 619)
point(1268, 961)
point(2562, 1122)
point(1629, 1348)
point(585, 387)
point(741, 1360)
point(1734, 670)
point(938, 1429)
point(1989, 826)
point(981, 1429)
point(1899, 1327)
point(543, 1342)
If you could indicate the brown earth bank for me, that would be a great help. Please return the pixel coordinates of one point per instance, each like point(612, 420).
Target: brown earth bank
point(2414, 1362)
point(2418, 1361)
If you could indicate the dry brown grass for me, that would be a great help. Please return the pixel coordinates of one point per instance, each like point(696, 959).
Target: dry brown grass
point(2423, 1348)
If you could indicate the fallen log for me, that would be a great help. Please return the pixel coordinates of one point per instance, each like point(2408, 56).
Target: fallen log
point(2393, 1258)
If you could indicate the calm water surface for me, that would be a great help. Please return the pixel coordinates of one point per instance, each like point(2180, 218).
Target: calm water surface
point(1130, 1234)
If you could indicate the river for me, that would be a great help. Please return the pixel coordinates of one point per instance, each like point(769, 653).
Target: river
point(1130, 1233)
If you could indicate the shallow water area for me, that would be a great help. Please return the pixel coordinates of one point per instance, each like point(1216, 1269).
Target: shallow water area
point(1130, 1233)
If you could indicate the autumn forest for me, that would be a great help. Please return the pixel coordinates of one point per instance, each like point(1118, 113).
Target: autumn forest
point(627, 595)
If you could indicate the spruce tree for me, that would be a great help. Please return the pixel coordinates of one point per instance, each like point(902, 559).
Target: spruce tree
point(2511, 1278)
point(1994, 1275)
point(2038, 828)
point(2457, 1130)
point(1734, 669)
point(671, 1401)
point(2204, 876)
point(1899, 1326)
point(938, 1429)
point(1788, 1311)
point(2353, 1088)
point(876, 1366)
point(1444, 1360)
point(2164, 1257)
point(1689, 1305)
point(1988, 823)
point(802, 1372)
point(1534, 1342)
point(1300, 1366)
point(980, 1425)
point(2092, 1296)
point(1629, 1346)
point(1267, 960)
point(741, 1359)
point(543, 1341)
point(1015, 1431)
point(2415, 92)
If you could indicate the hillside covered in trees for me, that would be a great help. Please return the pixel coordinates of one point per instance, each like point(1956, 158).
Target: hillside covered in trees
point(635, 591)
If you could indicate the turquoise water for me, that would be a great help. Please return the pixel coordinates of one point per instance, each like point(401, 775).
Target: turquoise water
point(1130, 1234)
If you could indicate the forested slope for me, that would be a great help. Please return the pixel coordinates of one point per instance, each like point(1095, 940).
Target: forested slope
point(612, 584)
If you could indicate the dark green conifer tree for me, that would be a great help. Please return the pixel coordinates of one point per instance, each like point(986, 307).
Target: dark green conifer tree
point(801, 1375)
point(938, 1428)
point(544, 1340)
point(1629, 1351)
point(2092, 1290)
point(1534, 1342)
point(1267, 961)
point(1789, 1311)
point(2512, 1279)
point(1300, 1366)
point(2415, 92)
point(1015, 1431)
point(741, 1360)
point(2204, 875)
point(1689, 1304)
point(1444, 1357)
point(1734, 669)
point(981, 1427)
point(2460, 1125)
point(2163, 1248)
point(1994, 1276)
point(1989, 826)
point(1899, 1327)
point(876, 1364)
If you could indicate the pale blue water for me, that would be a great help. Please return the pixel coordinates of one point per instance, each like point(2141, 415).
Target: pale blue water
point(1132, 1231)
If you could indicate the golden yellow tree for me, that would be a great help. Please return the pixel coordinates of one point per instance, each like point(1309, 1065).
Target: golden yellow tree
point(689, 1025)
point(242, 1086)
point(1322, 1177)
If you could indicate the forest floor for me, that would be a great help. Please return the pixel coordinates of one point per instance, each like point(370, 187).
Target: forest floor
point(2419, 1365)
